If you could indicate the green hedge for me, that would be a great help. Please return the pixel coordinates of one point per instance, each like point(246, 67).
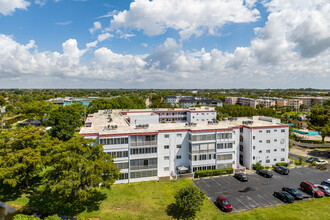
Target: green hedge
point(282, 164)
point(205, 173)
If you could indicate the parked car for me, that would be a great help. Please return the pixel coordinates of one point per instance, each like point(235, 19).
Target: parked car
point(281, 169)
point(265, 173)
point(293, 192)
point(241, 177)
point(326, 183)
point(316, 160)
point(324, 189)
point(284, 196)
point(224, 204)
point(311, 189)
point(310, 159)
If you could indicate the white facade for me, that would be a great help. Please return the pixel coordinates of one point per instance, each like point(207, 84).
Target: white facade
point(162, 150)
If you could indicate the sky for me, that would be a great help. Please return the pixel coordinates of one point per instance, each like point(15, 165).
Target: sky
point(206, 44)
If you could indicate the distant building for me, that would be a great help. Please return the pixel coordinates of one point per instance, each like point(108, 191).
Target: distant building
point(2, 110)
point(145, 148)
point(309, 100)
point(189, 101)
point(193, 101)
point(264, 101)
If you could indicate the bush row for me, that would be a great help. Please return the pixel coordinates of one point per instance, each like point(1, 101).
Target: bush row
point(282, 164)
point(205, 173)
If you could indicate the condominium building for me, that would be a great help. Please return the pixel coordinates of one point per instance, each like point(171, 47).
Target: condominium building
point(147, 147)
point(309, 100)
point(265, 101)
point(189, 101)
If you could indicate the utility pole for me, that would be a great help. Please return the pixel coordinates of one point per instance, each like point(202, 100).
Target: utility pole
point(84, 113)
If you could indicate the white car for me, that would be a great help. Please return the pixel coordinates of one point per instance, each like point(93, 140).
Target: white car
point(324, 189)
point(318, 161)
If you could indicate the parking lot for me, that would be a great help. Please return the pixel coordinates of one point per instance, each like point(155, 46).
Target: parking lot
point(258, 191)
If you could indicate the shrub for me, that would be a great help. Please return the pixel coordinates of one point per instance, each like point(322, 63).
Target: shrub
point(188, 201)
point(282, 164)
point(321, 166)
point(205, 173)
point(301, 159)
point(257, 166)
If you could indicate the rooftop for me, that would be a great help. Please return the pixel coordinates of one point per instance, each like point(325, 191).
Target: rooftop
point(101, 124)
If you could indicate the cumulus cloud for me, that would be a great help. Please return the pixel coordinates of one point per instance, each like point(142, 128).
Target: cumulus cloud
point(97, 26)
point(103, 37)
point(7, 7)
point(278, 57)
point(189, 17)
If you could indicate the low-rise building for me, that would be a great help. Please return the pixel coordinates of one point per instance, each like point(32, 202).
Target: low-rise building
point(146, 148)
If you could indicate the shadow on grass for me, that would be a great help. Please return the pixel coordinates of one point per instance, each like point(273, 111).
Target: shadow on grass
point(173, 210)
point(47, 203)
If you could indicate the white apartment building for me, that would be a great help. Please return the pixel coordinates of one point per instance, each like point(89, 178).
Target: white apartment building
point(146, 148)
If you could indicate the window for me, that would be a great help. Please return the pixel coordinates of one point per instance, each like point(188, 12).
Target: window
point(254, 137)
point(267, 151)
point(275, 130)
point(282, 159)
point(195, 157)
point(178, 135)
point(267, 131)
point(275, 150)
point(241, 148)
point(254, 157)
point(283, 149)
point(267, 161)
point(282, 130)
point(166, 168)
point(275, 140)
point(225, 157)
point(260, 141)
point(254, 147)
point(210, 156)
point(166, 146)
point(260, 131)
point(275, 159)
point(166, 135)
point(267, 141)
point(282, 141)
point(166, 158)
point(178, 146)
point(260, 151)
point(178, 157)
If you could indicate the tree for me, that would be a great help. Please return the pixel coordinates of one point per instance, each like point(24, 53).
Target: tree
point(76, 168)
point(188, 201)
point(325, 131)
point(2, 101)
point(326, 103)
point(301, 159)
point(303, 107)
point(318, 120)
point(65, 120)
point(22, 154)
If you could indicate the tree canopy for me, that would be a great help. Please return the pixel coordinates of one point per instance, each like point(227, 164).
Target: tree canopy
point(65, 120)
point(319, 120)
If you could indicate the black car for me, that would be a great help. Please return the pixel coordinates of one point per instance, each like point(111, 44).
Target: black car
point(241, 177)
point(281, 169)
point(293, 192)
point(284, 196)
point(265, 173)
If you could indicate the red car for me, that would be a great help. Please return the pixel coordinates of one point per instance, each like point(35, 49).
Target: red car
point(224, 204)
point(311, 189)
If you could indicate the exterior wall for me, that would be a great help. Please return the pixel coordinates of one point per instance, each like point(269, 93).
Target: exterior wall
point(201, 116)
point(257, 149)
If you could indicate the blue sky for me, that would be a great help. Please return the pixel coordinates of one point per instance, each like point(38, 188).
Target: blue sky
point(164, 44)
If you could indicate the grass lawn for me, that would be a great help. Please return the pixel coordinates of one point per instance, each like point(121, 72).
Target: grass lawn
point(149, 200)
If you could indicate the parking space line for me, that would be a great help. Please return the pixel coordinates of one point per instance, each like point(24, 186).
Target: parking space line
point(205, 183)
point(226, 180)
point(243, 203)
point(253, 201)
point(264, 199)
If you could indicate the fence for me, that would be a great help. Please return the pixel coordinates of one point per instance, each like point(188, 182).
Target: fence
point(310, 145)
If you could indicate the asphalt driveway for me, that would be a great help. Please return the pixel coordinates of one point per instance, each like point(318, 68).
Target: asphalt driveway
point(258, 191)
